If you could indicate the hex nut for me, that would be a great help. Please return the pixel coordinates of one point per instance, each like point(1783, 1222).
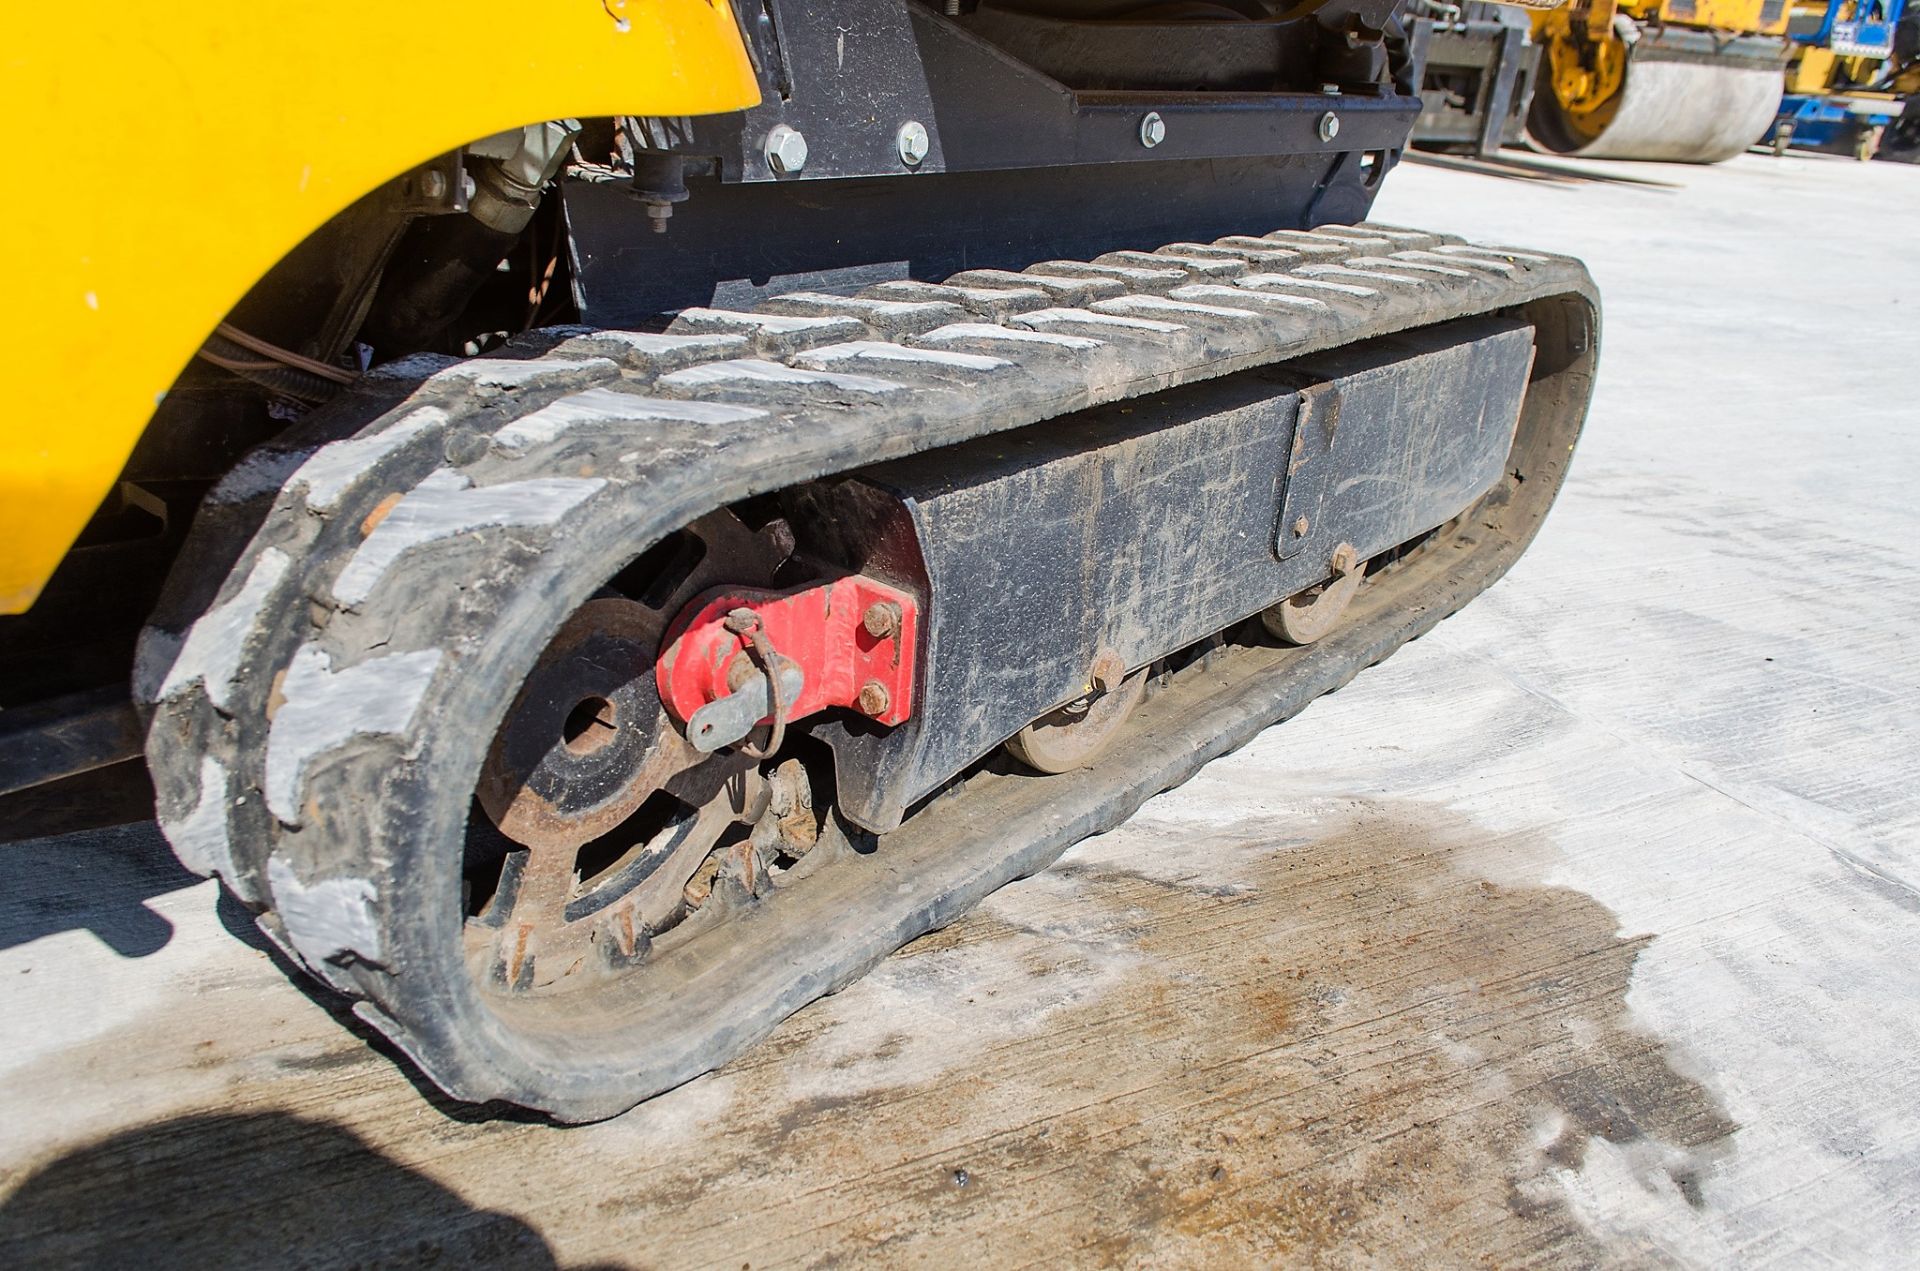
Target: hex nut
point(874, 698)
point(1153, 129)
point(882, 619)
point(913, 143)
point(786, 150)
point(1329, 126)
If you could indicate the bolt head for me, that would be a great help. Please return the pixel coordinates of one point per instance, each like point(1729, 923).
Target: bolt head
point(1344, 560)
point(1153, 129)
point(882, 619)
point(1300, 527)
point(786, 150)
point(1329, 126)
point(433, 184)
point(874, 698)
point(913, 143)
point(1107, 671)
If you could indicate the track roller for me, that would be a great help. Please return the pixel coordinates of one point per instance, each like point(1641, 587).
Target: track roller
point(1074, 735)
point(1308, 615)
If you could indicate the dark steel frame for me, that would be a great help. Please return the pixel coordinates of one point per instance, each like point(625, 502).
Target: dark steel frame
point(1021, 165)
point(1495, 43)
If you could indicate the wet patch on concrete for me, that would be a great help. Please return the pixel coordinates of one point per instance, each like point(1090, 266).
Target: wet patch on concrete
point(1330, 1042)
point(1370, 1052)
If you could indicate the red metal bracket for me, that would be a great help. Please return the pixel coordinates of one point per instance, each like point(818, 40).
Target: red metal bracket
point(854, 640)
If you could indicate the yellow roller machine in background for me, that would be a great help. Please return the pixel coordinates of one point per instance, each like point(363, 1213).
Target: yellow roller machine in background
point(1694, 81)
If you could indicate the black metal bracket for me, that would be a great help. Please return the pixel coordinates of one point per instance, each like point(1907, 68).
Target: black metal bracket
point(849, 75)
point(1011, 163)
point(65, 736)
point(1503, 77)
point(1310, 469)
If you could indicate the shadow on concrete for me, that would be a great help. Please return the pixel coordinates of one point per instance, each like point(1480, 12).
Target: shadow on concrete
point(1509, 165)
point(94, 880)
point(84, 854)
point(250, 1190)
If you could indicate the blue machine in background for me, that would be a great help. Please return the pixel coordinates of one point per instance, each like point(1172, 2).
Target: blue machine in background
point(1836, 93)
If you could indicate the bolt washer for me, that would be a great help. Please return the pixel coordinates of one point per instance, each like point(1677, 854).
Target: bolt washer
point(913, 143)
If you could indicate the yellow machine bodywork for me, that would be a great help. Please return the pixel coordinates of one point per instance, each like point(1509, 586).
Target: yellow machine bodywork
point(1811, 70)
point(188, 148)
point(1748, 17)
point(1585, 88)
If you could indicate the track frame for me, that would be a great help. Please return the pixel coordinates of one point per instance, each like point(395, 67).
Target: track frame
point(328, 810)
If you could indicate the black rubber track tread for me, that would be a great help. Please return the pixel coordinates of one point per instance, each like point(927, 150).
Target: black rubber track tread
point(315, 733)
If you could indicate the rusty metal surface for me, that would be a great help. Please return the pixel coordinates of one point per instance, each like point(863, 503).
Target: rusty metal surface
point(585, 746)
point(1075, 734)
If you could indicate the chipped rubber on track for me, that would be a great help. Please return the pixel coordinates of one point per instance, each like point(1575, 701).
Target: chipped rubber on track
point(317, 733)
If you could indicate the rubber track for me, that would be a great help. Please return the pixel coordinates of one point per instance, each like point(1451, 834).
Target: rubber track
point(307, 728)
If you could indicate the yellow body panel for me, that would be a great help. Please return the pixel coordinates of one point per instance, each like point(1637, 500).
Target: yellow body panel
point(180, 150)
point(1585, 61)
point(1811, 71)
point(1748, 17)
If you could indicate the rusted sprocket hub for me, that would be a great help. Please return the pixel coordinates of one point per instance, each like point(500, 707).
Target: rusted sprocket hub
point(610, 808)
point(584, 743)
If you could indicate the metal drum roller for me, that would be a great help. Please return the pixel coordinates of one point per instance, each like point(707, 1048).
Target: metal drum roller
point(1681, 96)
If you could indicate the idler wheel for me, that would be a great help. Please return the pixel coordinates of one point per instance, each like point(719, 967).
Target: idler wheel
point(1308, 615)
point(1072, 736)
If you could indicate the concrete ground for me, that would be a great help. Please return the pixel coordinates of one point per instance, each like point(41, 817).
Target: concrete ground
point(1582, 931)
